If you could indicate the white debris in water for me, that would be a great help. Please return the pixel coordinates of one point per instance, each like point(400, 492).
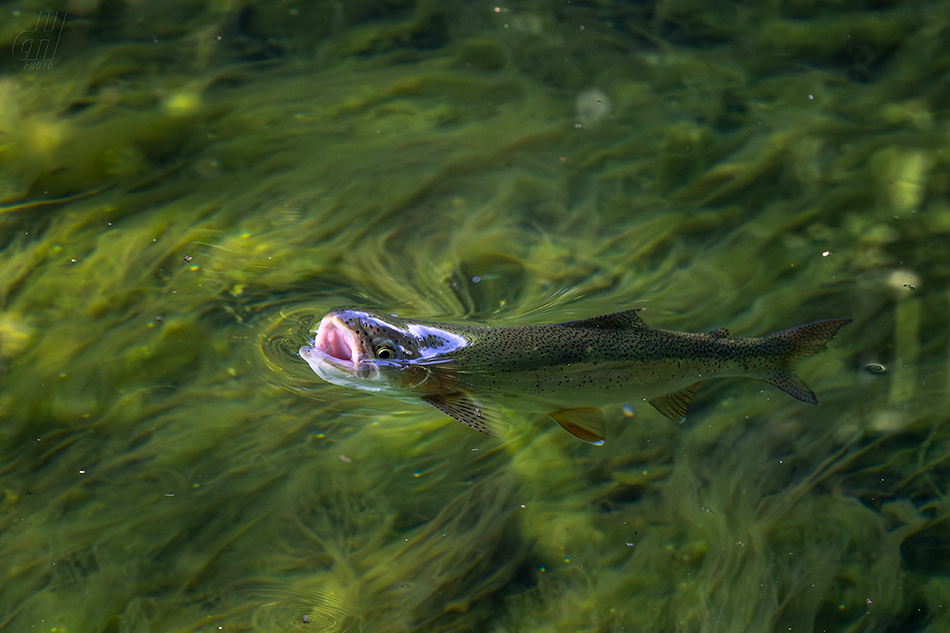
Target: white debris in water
point(903, 282)
point(591, 105)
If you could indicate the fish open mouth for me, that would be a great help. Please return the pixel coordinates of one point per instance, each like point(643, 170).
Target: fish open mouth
point(336, 344)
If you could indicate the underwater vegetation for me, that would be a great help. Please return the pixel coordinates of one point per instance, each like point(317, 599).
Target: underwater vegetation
point(187, 187)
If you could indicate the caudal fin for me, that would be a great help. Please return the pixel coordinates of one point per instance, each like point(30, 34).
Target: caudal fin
point(793, 344)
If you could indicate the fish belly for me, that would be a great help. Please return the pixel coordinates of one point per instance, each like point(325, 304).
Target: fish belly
point(554, 387)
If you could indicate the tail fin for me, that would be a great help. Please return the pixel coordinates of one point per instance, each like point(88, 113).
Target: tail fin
point(793, 344)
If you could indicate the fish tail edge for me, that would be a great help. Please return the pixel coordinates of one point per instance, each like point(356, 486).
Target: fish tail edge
point(797, 343)
point(791, 383)
point(808, 339)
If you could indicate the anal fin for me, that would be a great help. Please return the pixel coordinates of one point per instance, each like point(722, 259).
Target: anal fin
point(584, 423)
point(674, 405)
point(475, 415)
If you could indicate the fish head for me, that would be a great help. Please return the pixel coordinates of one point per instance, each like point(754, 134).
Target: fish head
point(379, 353)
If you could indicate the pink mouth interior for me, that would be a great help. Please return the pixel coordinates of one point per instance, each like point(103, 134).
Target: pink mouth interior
point(337, 342)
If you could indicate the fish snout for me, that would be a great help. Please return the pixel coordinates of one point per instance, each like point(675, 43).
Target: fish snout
point(336, 342)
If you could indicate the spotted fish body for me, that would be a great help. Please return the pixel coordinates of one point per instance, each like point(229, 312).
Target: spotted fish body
point(566, 370)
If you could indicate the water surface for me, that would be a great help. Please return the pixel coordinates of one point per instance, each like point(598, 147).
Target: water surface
point(187, 187)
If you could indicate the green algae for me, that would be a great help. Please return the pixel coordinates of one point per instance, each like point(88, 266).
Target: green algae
point(178, 214)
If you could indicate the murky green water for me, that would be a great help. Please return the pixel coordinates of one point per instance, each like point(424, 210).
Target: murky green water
point(188, 187)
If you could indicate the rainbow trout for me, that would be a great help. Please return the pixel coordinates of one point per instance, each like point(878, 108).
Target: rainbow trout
point(565, 370)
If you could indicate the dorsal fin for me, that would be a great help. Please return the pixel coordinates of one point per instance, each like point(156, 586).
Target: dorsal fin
point(626, 320)
point(720, 333)
point(475, 415)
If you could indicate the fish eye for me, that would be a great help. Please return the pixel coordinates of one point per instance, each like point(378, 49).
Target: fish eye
point(385, 351)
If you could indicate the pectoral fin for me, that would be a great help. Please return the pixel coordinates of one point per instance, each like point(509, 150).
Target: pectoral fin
point(584, 423)
point(473, 414)
point(673, 405)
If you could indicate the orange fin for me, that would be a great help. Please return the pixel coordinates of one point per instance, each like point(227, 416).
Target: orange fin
point(673, 405)
point(473, 414)
point(584, 423)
